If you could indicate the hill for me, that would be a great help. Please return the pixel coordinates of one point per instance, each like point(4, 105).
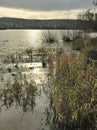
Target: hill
point(18, 23)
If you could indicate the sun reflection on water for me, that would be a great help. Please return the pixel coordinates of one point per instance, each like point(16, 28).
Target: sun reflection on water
point(34, 37)
point(36, 70)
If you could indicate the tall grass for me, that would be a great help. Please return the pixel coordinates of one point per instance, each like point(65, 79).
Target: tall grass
point(66, 36)
point(84, 43)
point(49, 37)
point(75, 93)
point(69, 36)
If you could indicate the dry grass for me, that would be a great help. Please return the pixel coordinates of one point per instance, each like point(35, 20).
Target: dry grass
point(75, 89)
point(49, 37)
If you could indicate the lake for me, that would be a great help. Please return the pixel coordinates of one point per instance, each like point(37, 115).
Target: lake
point(15, 40)
point(19, 108)
point(24, 87)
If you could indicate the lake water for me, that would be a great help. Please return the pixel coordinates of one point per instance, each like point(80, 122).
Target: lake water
point(17, 108)
point(21, 113)
point(16, 40)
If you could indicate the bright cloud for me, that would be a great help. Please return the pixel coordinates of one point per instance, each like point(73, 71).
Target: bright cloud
point(29, 14)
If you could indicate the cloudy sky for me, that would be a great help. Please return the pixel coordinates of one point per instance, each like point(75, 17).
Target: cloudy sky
point(43, 9)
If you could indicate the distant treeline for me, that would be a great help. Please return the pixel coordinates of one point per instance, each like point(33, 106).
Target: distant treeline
point(17, 23)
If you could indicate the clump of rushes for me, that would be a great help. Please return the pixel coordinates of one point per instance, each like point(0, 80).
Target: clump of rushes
point(77, 35)
point(75, 93)
point(49, 37)
point(69, 36)
point(66, 36)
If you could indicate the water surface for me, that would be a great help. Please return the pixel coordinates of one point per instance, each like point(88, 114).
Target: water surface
point(21, 110)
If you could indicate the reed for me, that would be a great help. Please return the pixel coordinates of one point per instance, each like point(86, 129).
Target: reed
point(49, 37)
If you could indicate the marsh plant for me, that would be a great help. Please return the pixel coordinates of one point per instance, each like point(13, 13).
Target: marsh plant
point(49, 37)
point(77, 34)
point(21, 94)
point(69, 36)
point(75, 93)
point(66, 35)
point(29, 52)
point(85, 44)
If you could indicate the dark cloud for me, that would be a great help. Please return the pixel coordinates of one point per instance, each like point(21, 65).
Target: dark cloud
point(47, 4)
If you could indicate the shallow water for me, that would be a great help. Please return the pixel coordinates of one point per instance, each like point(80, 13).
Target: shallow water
point(17, 117)
point(12, 41)
point(14, 113)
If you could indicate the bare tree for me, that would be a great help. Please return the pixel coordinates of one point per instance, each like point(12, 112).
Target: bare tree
point(87, 19)
point(94, 2)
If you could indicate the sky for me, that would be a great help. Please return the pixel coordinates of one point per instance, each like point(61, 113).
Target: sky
point(43, 9)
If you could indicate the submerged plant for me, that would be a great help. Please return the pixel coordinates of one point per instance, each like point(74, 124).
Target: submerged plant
point(21, 94)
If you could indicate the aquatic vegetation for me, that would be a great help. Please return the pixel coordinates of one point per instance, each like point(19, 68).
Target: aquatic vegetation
point(20, 93)
point(72, 81)
point(75, 93)
point(49, 37)
point(69, 36)
point(78, 34)
point(66, 36)
point(29, 53)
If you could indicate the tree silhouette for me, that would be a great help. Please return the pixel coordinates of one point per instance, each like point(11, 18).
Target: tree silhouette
point(94, 2)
